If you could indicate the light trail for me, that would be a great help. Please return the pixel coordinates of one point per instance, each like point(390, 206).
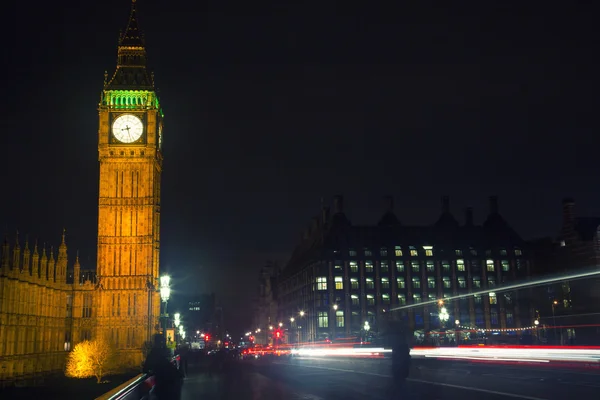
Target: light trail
point(541, 354)
point(506, 288)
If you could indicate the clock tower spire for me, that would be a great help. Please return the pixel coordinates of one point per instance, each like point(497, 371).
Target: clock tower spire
point(129, 152)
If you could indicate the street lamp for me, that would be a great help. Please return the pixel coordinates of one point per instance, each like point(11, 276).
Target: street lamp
point(554, 304)
point(335, 307)
point(302, 313)
point(457, 323)
point(165, 293)
point(177, 319)
point(444, 316)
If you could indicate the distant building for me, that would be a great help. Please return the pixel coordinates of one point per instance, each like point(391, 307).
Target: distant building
point(341, 275)
point(573, 306)
point(202, 313)
point(265, 313)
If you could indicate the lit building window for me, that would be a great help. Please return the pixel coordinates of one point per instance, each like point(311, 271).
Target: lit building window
point(339, 319)
point(476, 282)
point(431, 297)
point(446, 266)
point(385, 298)
point(368, 252)
point(385, 283)
point(352, 253)
point(370, 300)
point(477, 298)
point(416, 282)
point(399, 266)
point(509, 318)
point(339, 283)
point(462, 282)
point(383, 252)
point(416, 298)
point(322, 319)
point(446, 282)
point(505, 265)
point(398, 251)
point(413, 252)
point(458, 252)
point(460, 265)
point(368, 266)
point(490, 265)
point(354, 283)
point(353, 266)
point(401, 299)
point(491, 281)
point(430, 266)
point(431, 282)
point(428, 251)
point(338, 267)
point(518, 252)
point(493, 298)
point(401, 283)
point(503, 252)
point(369, 283)
point(355, 301)
point(321, 283)
point(384, 266)
point(416, 267)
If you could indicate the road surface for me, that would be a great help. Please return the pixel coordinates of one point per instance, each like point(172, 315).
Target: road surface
point(319, 379)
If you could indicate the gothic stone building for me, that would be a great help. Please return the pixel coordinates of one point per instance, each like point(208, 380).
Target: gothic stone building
point(342, 275)
point(42, 311)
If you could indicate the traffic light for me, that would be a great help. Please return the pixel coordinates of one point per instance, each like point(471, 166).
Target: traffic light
point(278, 334)
point(206, 338)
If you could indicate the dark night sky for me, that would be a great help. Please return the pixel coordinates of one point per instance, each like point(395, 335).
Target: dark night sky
point(270, 106)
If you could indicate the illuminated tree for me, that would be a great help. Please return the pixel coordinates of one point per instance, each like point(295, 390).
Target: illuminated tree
point(91, 358)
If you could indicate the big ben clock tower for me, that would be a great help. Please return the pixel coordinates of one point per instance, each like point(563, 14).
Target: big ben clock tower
point(129, 150)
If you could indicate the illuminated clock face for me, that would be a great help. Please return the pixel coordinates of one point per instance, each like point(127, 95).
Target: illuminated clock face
point(127, 128)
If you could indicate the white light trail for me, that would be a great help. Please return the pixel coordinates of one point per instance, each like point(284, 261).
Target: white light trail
point(506, 288)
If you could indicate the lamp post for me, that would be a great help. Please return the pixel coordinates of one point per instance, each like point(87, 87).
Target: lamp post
point(457, 323)
point(177, 323)
point(165, 293)
point(335, 307)
point(554, 304)
point(537, 332)
point(366, 328)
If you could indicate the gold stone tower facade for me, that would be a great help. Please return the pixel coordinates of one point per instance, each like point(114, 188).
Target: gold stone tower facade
point(129, 150)
point(44, 309)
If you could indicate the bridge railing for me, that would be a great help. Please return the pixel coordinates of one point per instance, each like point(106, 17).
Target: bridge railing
point(137, 388)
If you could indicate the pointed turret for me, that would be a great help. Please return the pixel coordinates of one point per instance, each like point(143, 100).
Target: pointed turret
point(16, 259)
point(44, 264)
point(26, 258)
point(61, 263)
point(77, 270)
point(132, 36)
point(35, 262)
point(131, 72)
point(51, 265)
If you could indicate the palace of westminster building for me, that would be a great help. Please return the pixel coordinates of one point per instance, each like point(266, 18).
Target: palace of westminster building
point(46, 307)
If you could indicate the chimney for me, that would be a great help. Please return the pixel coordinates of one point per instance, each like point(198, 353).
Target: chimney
point(338, 204)
point(469, 216)
point(568, 212)
point(493, 204)
point(445, 204)
point(388, 203)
